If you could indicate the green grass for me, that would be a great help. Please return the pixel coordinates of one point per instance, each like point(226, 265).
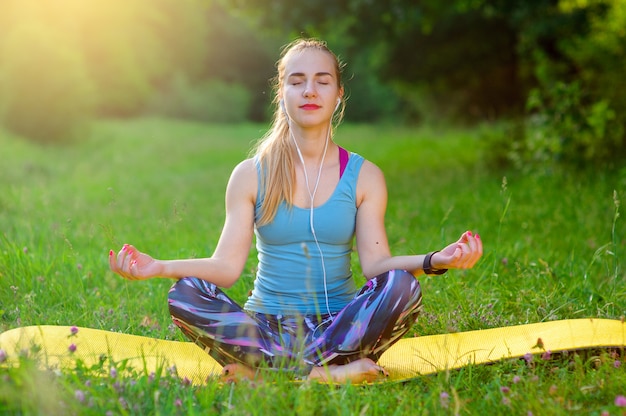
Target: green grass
point(553, 248)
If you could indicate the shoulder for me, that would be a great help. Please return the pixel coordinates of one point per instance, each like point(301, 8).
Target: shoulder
point(243, 179)
point(371, 182)
point(246, 167)
point(370, 172)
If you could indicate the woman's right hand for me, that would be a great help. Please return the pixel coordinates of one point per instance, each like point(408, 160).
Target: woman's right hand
point(132, 264)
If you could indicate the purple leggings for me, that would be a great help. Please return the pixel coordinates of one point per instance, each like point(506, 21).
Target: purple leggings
point(380, 314)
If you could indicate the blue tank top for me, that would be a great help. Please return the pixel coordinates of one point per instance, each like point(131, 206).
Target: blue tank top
point(290, 276)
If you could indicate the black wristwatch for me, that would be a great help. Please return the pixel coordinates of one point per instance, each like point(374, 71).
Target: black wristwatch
point(428, 268)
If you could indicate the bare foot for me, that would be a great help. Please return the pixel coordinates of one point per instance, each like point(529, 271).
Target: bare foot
point(234, 373)
point(360, 371)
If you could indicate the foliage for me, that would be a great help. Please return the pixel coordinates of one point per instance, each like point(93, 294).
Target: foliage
point(69, 61)
point(487, 60)
point(460, 56)
point(51, 107)
point(576, 114)
point(211, 101)
point(553, 66)
point(567, 129)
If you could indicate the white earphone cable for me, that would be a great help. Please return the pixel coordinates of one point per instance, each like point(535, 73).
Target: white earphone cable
point(312, 198)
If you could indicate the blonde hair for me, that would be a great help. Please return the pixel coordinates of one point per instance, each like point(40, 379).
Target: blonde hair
point(275, 149)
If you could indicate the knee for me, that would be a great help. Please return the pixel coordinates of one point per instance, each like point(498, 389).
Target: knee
point(404, 279)
point(185, 290)
point(179, 287)
point(404, 282)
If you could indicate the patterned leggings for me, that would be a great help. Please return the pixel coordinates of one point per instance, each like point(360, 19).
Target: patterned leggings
point(380, 314)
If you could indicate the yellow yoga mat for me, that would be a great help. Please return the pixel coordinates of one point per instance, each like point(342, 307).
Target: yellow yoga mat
point(58, 347)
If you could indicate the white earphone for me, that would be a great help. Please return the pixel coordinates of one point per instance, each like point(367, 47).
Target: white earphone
point(312, 194)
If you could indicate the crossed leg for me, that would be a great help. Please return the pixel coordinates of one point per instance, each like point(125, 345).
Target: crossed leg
point(346, 350)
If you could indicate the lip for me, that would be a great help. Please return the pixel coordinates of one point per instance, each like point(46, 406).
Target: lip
point(310, 107)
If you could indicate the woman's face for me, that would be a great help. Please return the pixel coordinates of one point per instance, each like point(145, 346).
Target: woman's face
point(310, 88)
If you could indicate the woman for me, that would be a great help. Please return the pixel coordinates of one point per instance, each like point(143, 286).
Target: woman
point(305, 198)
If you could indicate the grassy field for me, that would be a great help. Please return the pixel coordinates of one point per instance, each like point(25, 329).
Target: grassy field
point(554, 249)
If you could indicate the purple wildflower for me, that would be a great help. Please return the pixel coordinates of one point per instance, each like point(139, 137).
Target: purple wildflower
point(528, 357)
point(74, 330)
point(505, 389)
point(79, 395)
point(122, 401)
point(506, 401)
point(516, 379)
point(546, 355)
point(444, 399)
point(617, 363)
point(620, 401)
point(72, 348)
point(178, 403)
point(3, 355)
point(113, 372)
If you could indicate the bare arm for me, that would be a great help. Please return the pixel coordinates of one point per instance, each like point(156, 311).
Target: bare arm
point(371, 236)
point(224, 267)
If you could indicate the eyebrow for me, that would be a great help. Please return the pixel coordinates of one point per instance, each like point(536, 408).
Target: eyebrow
point(302, 74)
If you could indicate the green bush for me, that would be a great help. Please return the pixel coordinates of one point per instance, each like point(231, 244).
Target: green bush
point(576, 113)
point(209, 101)
point(570, 127)
point(45, 94)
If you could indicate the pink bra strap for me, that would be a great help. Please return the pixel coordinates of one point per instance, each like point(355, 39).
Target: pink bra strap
point(343, 160)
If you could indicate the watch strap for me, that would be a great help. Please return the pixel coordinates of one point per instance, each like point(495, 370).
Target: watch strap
point(428, 267)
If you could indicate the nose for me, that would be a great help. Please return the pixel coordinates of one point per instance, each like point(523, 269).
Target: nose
point(310, 90)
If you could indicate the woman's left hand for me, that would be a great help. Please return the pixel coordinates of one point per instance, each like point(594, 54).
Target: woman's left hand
point(462, 254)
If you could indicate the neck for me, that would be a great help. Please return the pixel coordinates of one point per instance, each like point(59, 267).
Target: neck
point(312, 144)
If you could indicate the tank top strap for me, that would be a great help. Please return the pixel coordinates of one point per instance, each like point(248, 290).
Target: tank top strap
point(343, 160)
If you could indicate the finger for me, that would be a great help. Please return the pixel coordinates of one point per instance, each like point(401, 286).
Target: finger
point(455, 259)
point(133, 257)
point(471, 240)
point(132, 268)
point(476, 247)
point(466, 260)
point(125, 259)
point(112, 261)
point(117, 261)
point(479, 244)
point(121, 256)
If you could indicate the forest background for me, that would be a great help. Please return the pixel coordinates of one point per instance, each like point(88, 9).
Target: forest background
point(549, 72)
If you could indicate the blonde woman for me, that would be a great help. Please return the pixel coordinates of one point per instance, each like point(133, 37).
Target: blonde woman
point(304, 199)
